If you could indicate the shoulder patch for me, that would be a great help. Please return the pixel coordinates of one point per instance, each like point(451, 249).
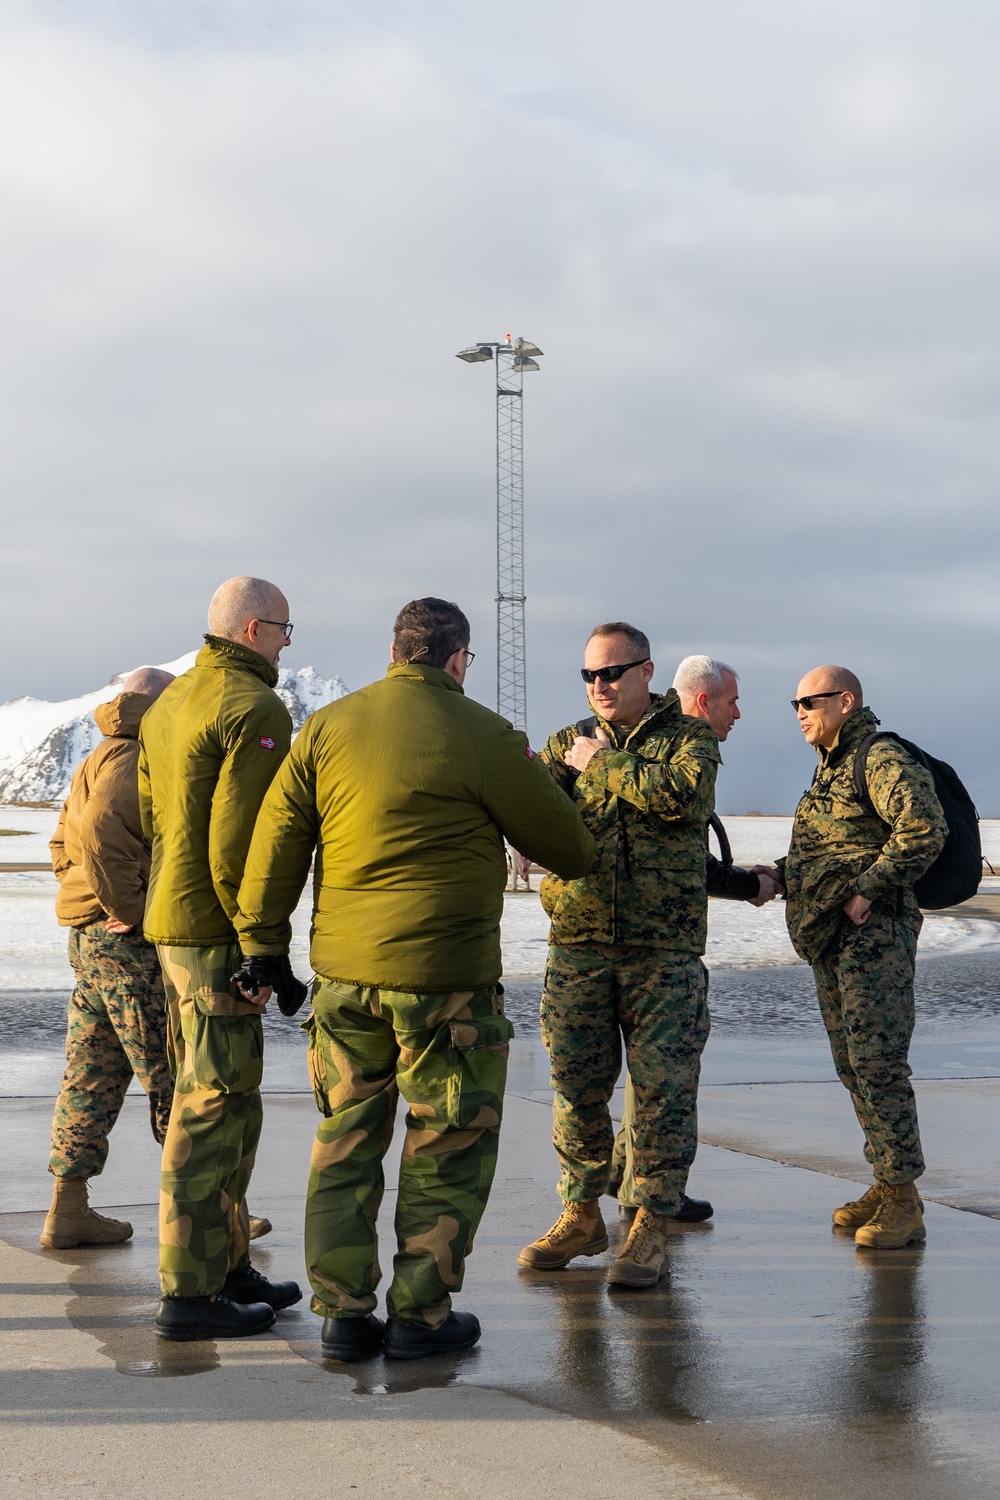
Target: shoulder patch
point(266, 742)
point(529, 752)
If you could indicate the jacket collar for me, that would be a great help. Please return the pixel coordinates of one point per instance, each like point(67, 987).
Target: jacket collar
point(665, 709)
point(852, 732)
point(120, 718)
point(412, 671)
point(218, 652)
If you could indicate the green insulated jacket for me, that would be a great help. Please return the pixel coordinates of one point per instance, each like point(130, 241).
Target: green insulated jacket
point(209, 748)
point(406, 789)
point(840, 848)
point(647, 799)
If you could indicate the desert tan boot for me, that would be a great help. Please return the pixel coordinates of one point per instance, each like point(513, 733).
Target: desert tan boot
point(641, 1260)
point(852, 1215)
point(260, 1227)
point(71, 1221)
point(898, 1222)
point(579, 1230)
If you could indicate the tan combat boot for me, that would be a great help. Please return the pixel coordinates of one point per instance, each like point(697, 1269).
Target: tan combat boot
point(640, 1262)
point(259, 1227)
point(71, 1221)
point(579, 1230)
point(899, 1220)
point(852, 1215)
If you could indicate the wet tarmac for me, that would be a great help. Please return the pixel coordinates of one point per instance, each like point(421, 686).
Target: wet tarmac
point(774, 1359)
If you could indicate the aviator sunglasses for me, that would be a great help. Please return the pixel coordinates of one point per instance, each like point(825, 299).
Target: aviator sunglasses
point(610, 674)
point(808, 701)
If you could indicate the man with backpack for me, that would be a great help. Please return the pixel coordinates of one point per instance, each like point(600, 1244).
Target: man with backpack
point(864, 833)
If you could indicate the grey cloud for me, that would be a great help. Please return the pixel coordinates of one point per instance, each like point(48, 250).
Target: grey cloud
point(757, 244)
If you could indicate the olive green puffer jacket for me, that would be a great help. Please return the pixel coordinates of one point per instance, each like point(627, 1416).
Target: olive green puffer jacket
point(406, 789)
point(209, 748)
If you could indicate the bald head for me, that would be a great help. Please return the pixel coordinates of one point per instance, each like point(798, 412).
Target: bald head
point(827, 697)
point(148, 680)
point(251, 612)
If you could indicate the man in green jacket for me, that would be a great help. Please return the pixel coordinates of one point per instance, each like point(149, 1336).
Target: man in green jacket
point(852, 915)
point(406, 790)
point(625, 955)
point(209, 748)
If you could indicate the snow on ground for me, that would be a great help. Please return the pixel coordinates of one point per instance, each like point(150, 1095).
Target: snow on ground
point(33, 946)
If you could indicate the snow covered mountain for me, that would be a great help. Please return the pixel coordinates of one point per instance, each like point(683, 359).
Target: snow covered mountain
point(41, 743)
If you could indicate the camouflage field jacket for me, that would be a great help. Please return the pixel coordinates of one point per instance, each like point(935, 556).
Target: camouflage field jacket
point(840, 847)
point(646, 799)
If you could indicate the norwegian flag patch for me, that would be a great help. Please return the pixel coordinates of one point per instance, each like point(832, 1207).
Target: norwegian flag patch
point(266, 742)
point(529, 752)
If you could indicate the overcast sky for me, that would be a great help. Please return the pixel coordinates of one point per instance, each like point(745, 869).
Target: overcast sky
point(757, 243)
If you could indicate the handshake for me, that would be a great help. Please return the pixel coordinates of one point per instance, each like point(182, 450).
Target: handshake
point(271, 973)
point(770, 884)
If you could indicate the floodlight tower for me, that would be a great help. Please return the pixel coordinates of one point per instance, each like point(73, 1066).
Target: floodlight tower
point(513, 357)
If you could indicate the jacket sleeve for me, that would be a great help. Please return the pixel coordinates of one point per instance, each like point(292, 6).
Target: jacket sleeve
point(532, 811)
point(902, 793)
point(732, 884)
point(551, 757)
point(145, 793)
point(113, 849)
point(248, 767)
point(280, 853)
point(57, 845)
point(678, 787)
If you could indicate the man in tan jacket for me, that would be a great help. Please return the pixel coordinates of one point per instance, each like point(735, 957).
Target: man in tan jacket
point(117, 1021)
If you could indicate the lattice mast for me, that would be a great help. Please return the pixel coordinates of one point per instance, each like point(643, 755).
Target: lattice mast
point(513, 357)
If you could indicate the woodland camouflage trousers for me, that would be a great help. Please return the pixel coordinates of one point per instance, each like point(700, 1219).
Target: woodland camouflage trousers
point(447, 1055)
point(216, 1049)
point(116, 1028)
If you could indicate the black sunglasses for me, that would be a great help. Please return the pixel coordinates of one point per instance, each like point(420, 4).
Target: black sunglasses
point(808, 702)
point(285, 625)
point(610, 674)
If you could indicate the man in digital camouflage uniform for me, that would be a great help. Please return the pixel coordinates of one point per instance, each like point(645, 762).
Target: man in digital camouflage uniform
point(117, 1023)
point(210, 747)
point(852, 915)
point(709, 690)
point(406, 791)
point(625, 955)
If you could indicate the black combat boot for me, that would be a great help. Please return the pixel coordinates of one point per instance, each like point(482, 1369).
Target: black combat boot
point(348, 1339)
point(183, 1319)
point(245, 1285)
point(407, 1341)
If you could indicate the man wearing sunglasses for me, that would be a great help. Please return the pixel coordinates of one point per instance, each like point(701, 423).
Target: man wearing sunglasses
point(852, 915)
point(209, 748)
point(625, 954)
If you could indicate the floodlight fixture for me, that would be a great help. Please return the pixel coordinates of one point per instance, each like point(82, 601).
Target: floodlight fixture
point(475, 353)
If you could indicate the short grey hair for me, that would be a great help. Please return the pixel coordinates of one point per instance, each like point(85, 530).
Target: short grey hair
point(702, 674)
point(238, 601)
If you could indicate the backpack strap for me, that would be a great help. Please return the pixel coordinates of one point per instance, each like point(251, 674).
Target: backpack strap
point(725, 848)
point(861, 766)
point(586, 727)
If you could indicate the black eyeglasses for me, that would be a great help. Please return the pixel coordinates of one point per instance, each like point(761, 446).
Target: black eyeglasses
point(470, 656)
point(285, 625)
point(808, 702)
point(610, 674)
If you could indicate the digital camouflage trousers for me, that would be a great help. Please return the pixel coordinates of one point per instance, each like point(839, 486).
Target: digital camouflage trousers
point(595, 997)
point(216, 1047)
point(116, 1028)
point(447, 1055)
point(864, 985)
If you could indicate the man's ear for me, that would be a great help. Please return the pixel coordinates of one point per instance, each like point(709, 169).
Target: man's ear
point(647, 669)
point(702, 703)
point(392, 650)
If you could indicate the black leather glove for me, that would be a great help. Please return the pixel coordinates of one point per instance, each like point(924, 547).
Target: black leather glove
point(271, 972)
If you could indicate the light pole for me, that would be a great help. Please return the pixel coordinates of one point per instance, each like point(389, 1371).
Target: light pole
point(513, 357)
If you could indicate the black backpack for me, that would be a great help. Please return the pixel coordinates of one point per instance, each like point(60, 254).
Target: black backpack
point(955, 874)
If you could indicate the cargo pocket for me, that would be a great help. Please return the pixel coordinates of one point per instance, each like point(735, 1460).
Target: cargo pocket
point(223, 1043)
point(476, 1082)
point(316, 1063)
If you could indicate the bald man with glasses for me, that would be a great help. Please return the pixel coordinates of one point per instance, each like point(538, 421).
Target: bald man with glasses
point(625, 952)
point(852, 915)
